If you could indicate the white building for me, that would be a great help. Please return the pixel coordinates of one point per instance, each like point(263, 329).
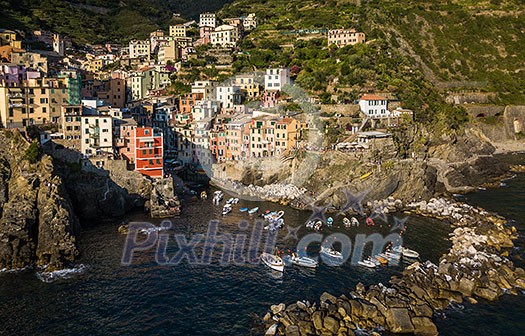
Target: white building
point(344, 37)
point(140, 83)
point(138, 48)
point(225, 36)
point(276, 78)
point(206, 89)
point(228, 96)
point(201, 141)
point(58, 45)
point(204, 109)
point(250, 22)
point(208, 20)
point(374, 106)
point(96, 134)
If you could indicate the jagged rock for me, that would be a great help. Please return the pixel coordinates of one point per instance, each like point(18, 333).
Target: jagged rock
point(423, 326)
point(422, 310)
point(271, 331)
point(276, 309)
point(486, 293)
point(327, 297)
point(331, 324)
point(398, 320)
point(306, 328)
point(317, 320)
point(292, 330)
point(301, 305)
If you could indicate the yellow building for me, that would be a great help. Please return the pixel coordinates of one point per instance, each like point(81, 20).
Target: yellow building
point(9, 37)
point(287, 133)
point(178, 31)
point(25, 105)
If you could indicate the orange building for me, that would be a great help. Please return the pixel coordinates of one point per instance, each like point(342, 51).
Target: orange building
point(143, 148)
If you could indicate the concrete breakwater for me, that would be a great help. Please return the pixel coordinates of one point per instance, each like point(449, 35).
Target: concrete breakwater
point(476, 267)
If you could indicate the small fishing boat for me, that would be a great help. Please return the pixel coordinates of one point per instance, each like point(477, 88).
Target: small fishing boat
point(382, 260)
point(367, 263)
point(364, 176)
point(318, 225)
point(226, 209)
point(329, 221)
point(354, 221)
point(274, 215)
point(370, 221)
point(302, 261)
point(204, 195)
point(254, 210)
point(273, 261)
point(243, 209)
point(329, 251)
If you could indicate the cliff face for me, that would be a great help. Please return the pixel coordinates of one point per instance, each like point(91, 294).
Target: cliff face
point(435, 165)
point(37, 224)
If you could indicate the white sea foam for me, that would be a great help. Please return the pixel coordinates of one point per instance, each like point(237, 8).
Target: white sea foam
point(65, 273)
point(15, 270)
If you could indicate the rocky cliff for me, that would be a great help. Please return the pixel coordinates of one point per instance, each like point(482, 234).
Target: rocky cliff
point(415, 164)
point(37, 224)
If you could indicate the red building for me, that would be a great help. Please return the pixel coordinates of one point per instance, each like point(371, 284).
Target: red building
point(149, 151)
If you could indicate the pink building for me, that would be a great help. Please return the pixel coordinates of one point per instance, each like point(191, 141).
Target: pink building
point(270, 99)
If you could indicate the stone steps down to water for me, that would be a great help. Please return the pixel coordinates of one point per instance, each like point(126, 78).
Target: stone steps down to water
point(476, 266)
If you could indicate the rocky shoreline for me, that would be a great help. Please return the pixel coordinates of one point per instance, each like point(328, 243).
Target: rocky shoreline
point(283, 193)
point(476, 267)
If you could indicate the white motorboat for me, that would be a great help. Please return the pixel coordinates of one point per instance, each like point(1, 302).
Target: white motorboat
point(273, 261)
point(254, 210)
point(318, 225)
point(217, 197)
point(393, 256)
point(302, 261)
point(226, 209)
point(346, 222)
point(354, 221)
point(275, 224)
point(329, 251)
point(310, 224)
point(406, 252)
point(410, 253)
point(367, 263)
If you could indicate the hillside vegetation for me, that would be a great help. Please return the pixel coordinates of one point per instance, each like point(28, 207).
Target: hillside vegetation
point(418, 50)
point(97, 21)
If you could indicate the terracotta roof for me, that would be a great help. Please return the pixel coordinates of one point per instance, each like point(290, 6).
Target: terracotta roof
point(372, 97)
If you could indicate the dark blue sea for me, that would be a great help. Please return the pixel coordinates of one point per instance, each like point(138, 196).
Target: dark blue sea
point(105, 298)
